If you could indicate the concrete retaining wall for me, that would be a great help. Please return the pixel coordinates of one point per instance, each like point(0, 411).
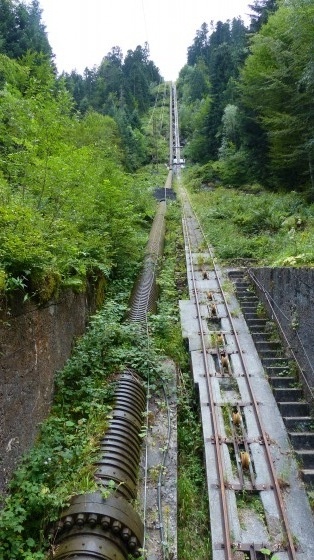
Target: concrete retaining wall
point(292, 292)
point(34, 344)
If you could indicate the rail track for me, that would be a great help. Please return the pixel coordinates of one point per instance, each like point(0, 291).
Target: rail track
point(258, 508)
point(246, 450)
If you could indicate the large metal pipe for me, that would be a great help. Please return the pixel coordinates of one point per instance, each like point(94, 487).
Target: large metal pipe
point(104, 525)
point(144, 295)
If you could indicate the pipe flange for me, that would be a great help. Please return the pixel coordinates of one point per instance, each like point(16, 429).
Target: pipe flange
point(91, 514)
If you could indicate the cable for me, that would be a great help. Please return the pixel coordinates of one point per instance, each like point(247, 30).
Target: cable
point(161, 473)
point(145, 21)
point(271, 301)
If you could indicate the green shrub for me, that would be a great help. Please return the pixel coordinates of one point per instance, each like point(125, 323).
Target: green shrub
point(271, 228)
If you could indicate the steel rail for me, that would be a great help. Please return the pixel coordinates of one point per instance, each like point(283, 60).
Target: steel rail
point(219, 461)
point(265, 439)
point(170, 130)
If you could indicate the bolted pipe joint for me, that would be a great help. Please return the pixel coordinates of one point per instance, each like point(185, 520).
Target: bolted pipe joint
point(104, 525)
point(105, 529)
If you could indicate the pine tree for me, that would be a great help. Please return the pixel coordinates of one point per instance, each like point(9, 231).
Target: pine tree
point(21, 29)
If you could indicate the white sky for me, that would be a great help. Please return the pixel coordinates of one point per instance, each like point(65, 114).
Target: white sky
point(82, 32)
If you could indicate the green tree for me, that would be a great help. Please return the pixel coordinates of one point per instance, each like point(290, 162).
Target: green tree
point(21, 29)
point(261, 9)
point(214, 62)
point(122, 89)
point(277, 85)
point(199, 49)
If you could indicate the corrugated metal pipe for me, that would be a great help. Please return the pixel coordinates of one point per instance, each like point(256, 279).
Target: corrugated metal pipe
point(108, 528)
point(104, 525)
point(144, 295)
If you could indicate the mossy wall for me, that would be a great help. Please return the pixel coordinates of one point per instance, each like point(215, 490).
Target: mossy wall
point(35, 342)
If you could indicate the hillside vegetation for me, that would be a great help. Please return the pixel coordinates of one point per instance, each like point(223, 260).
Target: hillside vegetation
point(262, 228)
point(246, 98)
point(70, 211)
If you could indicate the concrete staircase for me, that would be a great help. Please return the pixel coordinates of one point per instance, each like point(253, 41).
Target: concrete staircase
point(282, 375)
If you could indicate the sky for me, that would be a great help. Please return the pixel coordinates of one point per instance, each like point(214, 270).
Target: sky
point(82, 32)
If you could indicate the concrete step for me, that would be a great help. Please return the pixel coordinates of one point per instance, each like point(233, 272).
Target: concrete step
point(248, 305)
point(243, 284)
point(291, 394)
point(255, 323)
point(302, 440)
point(307, 476)
point(268, 345)
point(294, 409)
point(262, 337)
point(243, 293)
point(273, 355)
point(256, 329)
point(281, 382)
point(277, 371)
point(250, 314)
point(298, 423)
point(306, 457)
point(248, 298)
point(274, 361)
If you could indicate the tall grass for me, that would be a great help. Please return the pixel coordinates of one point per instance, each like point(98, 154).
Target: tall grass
point(273, 229)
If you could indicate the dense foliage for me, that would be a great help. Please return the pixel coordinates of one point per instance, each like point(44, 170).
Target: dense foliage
point(121, 88)
point(279, 76)
point(67, 207)
point(206, 85)
point(21, 29)
point(267, 228)
point(249, 96)
point(69, 211)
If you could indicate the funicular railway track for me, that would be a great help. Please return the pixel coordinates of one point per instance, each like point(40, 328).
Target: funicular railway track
point(246, 437)
point(236, 405)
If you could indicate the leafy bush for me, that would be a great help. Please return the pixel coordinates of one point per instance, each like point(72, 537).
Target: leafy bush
point(67, 208)
point(62, 462)
point(272, 228)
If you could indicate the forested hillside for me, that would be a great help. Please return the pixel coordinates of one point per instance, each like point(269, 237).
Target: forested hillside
point(246, 97)
point(70, 210)
point(75, 206)
point(122, 88)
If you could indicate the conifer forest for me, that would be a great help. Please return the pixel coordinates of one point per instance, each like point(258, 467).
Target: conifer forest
point(80, 158)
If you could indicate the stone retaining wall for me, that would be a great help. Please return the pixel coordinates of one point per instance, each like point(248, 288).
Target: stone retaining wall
point(34, 344)
point(292, 293)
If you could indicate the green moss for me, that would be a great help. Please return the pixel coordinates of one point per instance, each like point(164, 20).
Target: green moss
point(2, 280)
point(45, 284)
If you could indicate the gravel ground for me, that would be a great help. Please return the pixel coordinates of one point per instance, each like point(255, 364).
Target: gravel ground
point(158, 496)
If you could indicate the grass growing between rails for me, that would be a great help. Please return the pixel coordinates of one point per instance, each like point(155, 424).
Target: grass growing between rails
point(271, 228)
point(193, 517)
point(193, 513)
